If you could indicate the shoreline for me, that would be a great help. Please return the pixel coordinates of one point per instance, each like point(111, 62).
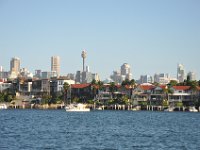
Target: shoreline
point(105, 107)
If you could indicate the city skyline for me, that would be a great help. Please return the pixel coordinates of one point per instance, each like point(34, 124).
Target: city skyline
point(124, 72)
point(152, 37)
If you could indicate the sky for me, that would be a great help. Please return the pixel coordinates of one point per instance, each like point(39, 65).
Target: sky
point(153, 36)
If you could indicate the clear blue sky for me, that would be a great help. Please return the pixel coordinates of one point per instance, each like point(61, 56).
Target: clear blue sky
point(151, 35)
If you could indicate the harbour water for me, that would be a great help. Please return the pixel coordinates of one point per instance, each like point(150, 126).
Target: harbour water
point(98, 130)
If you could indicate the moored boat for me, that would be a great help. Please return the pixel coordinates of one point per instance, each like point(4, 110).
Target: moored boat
point(193, 109)
point(77, 108)
point(3, 106)
point(169, 109)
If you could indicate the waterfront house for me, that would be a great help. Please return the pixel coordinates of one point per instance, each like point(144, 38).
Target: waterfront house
point(142, 94)
point(25, 86)
point(37, 87)
point(181, 94)
point(83, 92)
point(56, 86)
point(158, 94)
point(5, 86)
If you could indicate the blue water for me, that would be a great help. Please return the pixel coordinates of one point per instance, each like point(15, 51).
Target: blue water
point(102, 130)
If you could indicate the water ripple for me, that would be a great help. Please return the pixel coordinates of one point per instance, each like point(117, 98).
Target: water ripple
point(98, 130)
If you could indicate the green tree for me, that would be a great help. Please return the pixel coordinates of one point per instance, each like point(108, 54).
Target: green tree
point(1, 97)
point(8, 98)
point(173, 83)
point(165, 103)
point(100, 85)
point(125, 82)
point(124, 100)
point(130, 84)
point(179, 104)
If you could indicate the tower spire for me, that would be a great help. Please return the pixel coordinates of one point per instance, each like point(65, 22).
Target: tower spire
point(83, 55)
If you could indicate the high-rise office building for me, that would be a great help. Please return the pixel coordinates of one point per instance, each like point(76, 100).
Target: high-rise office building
point(126, 71)
point(38, 73)
point(146, 79)
point(192, 76)
point(78, 77)
point(15, 65)
point(180, 73)
point(116, 77)
point(55, 65)
point(162, 78)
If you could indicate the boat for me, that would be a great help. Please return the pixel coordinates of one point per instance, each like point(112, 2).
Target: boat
point(3, 106)
point(99, 108)
point(77, 108)
point(134, 109)
point(192, 109)
point(169, 109)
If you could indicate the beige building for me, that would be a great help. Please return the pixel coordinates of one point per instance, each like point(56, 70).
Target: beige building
point(55, 65)
point(15, 66)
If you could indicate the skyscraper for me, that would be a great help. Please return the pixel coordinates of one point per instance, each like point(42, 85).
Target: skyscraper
point(180, 73)
point(15, 65)
point(192, 76)
point(55, 65)
point(126, 71)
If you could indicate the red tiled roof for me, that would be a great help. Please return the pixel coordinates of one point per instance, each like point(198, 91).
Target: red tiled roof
point(181, 87)
point(118, 86)
point(163, 87)
point(129, 87)
point(79, 86)
point(198, 88)
point(147, 87)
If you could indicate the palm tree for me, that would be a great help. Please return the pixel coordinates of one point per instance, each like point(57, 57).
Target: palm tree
point(94, 86)
point(66, 88)
point(125, 82)
point(132, 85)
point(100, 85)
point(194, 89)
